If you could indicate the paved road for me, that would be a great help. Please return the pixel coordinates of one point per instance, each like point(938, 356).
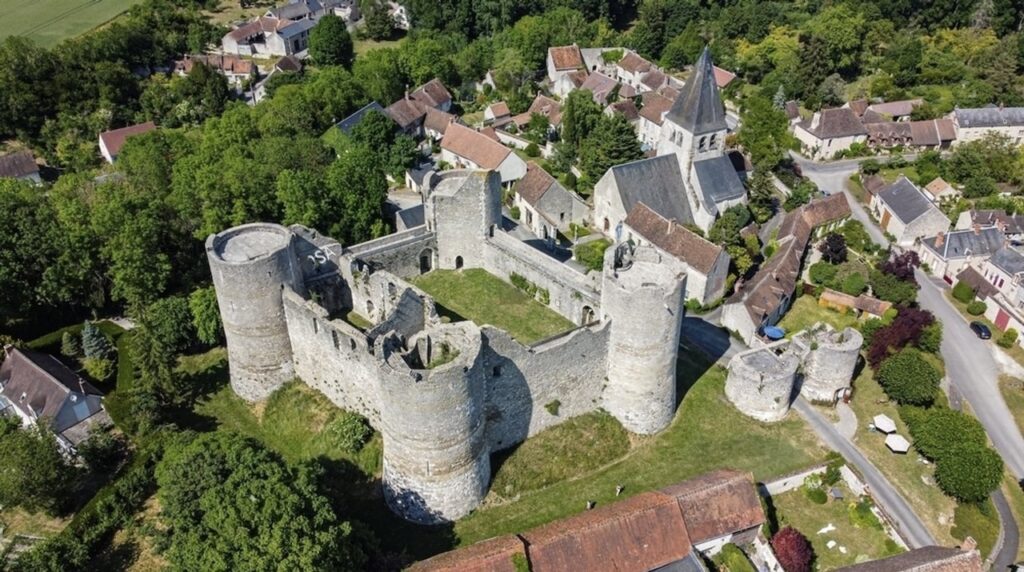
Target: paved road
point(973, 372)
point(831, 178)
point(906, 521)
point(1011, 534)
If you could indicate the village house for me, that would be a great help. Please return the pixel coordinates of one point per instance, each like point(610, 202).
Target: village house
point(1012, 225)
point(1004, 270)
point(544, 106)
point(305, 9)
point(631, 68)
point(930, 558)
point(947, 253)
point(895, 110)
point(920, 135)
point(21, 166)
point(497, 114)
point(681, 525)
point(563, 61)
point(38, 388)
point(112, 141)
point(762, 300)
point(237, 70)
point(606, 89)
point(652, 115)
point(830, 131)
point(973, 124)
point(939, 191)
point(707, 263)
point(268, 37)
point(905, 212)
point(627, 109)
point(545, 206)
point(430, 103)
point(466, 148)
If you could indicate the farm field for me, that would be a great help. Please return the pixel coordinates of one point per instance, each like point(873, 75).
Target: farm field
point(50, 21)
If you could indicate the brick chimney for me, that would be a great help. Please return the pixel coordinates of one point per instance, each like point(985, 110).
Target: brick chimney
point(940, 239)
point(969, 544)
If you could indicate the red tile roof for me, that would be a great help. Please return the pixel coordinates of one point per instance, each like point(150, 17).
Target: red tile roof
point(566, 57)
point(228, 64)
point(432, 93)
point(639, 533)
point(113, 140)
point(718, 503)
point(547, 107)
point(495, 555)
point(927, 559)
point(533, 186)
point(674, 238)
point(655, 107)
point(474, 146)
point(633, 63)
point(723, 77)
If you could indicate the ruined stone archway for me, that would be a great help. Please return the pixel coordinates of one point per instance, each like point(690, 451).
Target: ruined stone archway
point(458, 263)
point(586, 316)
point(426, 260)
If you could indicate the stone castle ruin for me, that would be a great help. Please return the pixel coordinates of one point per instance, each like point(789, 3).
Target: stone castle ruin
point(444, 396)
point(817, 363)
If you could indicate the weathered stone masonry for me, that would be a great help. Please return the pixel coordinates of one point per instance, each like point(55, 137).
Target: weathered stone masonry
point(284, 293)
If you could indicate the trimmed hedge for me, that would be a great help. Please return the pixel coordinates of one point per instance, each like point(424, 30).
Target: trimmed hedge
point(976, 308)
point(963, 292)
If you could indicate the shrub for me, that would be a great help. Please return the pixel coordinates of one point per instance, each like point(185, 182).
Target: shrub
point(514, 212)
point(937, 431)
point(349, 431)
point(102, 451)
point(70, 344)
point(902, 265)
point(793, 550)
point(931, 338)
point(98, 368)
point(833, 248)
point(1008, 338)
point(853, 284)
point(963, 292)
point(969, 472)
point(976, 308)
point(870, 167)
point(823, 273)
point(591, 254)
point(816, 495)
point(869, 328)
point(861, 515)
point(890, 288)
point(553, 406)
point(543, 296)
point(906, 329)
point(520, 281)
point(733, 559)
point(908, 378)
point(569, 180)
point(532, 150)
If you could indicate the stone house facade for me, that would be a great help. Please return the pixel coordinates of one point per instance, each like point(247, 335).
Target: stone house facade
point(904, 212)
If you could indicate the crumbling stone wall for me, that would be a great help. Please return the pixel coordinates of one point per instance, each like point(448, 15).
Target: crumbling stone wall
point(761, 381)
point(830, 363)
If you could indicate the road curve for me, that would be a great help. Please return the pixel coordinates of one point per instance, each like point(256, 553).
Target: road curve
point(892, 502)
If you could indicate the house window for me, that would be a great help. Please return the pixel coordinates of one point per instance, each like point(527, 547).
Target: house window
point(703, 143)
point(1000, 282)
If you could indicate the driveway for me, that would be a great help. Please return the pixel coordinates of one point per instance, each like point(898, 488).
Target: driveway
point(831, 178)
point(892, 502)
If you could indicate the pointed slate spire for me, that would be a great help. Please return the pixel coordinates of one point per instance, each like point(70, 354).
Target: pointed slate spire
point(699, 109)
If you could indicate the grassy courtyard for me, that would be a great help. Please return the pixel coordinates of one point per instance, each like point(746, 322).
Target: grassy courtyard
point(47, 22)
point(707, 433)
point(863, 539)
point(914, 479)
point(485, 299)
point(806, 312)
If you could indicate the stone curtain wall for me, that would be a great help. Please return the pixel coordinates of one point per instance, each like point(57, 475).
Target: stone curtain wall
point(570, 291)
point(522, 381)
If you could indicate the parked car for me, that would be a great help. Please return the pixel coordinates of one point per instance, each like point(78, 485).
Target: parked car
point(981, 330)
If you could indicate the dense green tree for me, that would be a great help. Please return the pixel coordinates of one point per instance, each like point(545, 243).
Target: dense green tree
point(764, 133)
point(841, 31)
point(378, 23)
point(684, 49)
point(892, 289)
point(937, 432)
point(762, 196)
point(380, 74)
point(233, 505)
point(35, 474)
point(169, 321)
point(355, 183)
point(70, 344)
point(833, 248)
point(580, 116)
point(202, 304)
point(726, 229)
point(969, 472)
point(29, 246)
point(909, 379)
point(330, 43)
point(95, 343)
point(612, 142)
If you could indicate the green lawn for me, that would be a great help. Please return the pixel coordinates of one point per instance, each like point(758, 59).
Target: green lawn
point(912, 478)
point(862, 542)
point(363, 46)
point(806, 312)
point(50, 21)
point(1015, 497)
point(1013, 393)
point(485, 299)
point(891, 175)
point(707, 433)
point(856, 188)
point(980, 522)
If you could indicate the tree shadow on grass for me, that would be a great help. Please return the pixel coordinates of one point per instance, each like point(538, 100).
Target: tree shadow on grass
point(396, 542)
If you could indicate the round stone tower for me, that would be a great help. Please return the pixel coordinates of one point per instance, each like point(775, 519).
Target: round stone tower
point(761, 381)
point(250, 265)
point(829, 365)
point(436, 463)
point(642, 294)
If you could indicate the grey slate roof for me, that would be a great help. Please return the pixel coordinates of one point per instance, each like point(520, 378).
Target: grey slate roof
point(963, 243)
point(17, 165)
point(699, 107)
point(348, 124)
point(658, 183)
point(990, 117)
point(718, 180)
point(689, 563)
point(412, 216)
point(1009, 260)
point(905, 200)
point(296, 28)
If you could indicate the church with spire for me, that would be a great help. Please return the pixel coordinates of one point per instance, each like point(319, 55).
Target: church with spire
point(691, 180)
